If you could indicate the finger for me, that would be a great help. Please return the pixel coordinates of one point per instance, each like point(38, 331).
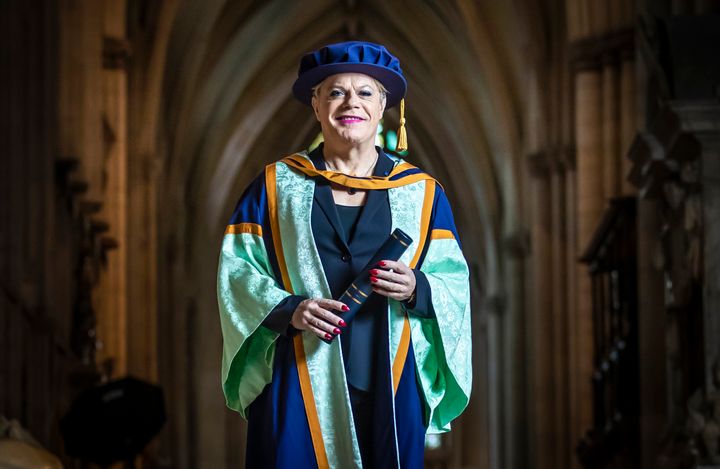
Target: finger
point(397, 266)
point(400, 296)
point(328, 316)
point(332, 304)
point(387, 285)
point(402, 279)
point(319, 332)
point(315, 321)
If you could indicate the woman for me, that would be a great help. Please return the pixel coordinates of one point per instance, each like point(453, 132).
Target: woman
point(299, 236)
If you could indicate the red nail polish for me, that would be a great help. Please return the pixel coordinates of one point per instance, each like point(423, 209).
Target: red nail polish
point(342, 323)
point(373, 272)
point(328, 336)
point(345, 308)
point(336, 331)
point(373, 279)
point(381, 263)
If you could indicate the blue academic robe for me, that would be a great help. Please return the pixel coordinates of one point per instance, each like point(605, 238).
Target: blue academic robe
point(342, 261)
point(292, 387)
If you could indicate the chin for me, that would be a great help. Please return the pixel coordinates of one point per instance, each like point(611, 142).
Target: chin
point(355, 137)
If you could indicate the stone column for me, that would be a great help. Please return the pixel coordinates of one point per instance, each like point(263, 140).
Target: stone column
point(651, 332)
point(80, 89)
point(112, 289)
point(590, 204)
point(560, 363)
point(710, 181)
point(628, 117)
point(540, 322)
point(610, 127)
point(571, 301)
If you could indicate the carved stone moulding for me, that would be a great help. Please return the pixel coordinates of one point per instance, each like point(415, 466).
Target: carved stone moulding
point(593, 53)
point(668, 151)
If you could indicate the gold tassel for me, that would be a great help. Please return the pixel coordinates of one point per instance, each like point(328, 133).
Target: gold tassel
point(402, 144)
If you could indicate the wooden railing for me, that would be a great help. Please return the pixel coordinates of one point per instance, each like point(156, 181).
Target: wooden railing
point(614, 439)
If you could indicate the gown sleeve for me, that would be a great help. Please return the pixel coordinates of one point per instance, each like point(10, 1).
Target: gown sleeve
point(421, 305)
point(442, 341)
point(247, 291)
point(278, 319)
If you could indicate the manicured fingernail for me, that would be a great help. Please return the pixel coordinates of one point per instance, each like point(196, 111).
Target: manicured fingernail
point(336, 331)
point(345, 308)
point(328, 336)
point(373, 279)
point(381, 263)
point(373, 272)
point(342, 323)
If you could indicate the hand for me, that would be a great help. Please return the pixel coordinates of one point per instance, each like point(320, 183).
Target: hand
point(315, 315)
point(393, 279)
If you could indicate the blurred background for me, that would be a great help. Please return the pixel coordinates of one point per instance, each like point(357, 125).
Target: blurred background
point(578, 141)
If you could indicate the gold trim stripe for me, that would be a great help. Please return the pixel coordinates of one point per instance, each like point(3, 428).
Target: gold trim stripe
point(300, 358)
point(424, 220)
point(441, 234)
point(251, 228)
point(359, 291)
point(309, 401)
point(401, 356)
point(399, 240)
point(404, 344)
point(373, 182)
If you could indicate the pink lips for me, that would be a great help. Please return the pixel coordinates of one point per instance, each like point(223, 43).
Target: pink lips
point(349, 119)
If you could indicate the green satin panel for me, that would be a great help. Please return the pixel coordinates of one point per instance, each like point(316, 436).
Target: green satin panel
point(406, 204)
point(325, 363)
point(443, 345)
point(246, 292)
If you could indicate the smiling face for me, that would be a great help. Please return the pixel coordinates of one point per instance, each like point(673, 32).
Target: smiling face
point(349, 107)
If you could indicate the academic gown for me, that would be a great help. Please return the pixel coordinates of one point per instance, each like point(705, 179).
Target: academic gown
point(284, 428)
point(366, 359)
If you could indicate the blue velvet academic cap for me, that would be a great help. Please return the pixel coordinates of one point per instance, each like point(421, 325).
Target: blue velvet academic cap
point(347, 57)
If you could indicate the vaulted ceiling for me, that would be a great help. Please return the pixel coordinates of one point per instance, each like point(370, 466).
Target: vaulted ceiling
point(228, 108)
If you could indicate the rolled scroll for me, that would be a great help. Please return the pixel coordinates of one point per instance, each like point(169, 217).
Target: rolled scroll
point(361, 288)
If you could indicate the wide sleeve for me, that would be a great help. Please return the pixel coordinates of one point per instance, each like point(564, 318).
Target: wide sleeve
point(442, 342)
point(247, 291)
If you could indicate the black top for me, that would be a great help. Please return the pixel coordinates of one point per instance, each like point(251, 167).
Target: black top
point(357, 340)
point(342, 257)
point(349, 216)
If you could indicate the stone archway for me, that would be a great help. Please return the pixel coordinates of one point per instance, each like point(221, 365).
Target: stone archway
point(227, 111)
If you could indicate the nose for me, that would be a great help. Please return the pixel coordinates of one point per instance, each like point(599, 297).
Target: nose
point(351, 98)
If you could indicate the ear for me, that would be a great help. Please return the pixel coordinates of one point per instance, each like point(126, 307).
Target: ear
point(315, 108)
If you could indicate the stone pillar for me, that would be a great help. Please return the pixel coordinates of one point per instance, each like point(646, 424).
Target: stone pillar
point(540, 331)
point(571, 301)
point(560, 363)
point(710, 182)
point(80, 89)
point(610, 127)
point(590, 204)
point(628, 118)
point(112, 289)
point(651, 332)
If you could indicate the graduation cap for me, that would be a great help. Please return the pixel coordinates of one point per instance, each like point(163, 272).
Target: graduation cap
point(113, 422)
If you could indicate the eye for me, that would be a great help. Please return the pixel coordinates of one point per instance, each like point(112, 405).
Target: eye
point(334, 93)
point(365, 93)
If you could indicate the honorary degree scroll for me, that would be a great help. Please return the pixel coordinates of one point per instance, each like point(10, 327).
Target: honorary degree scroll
point(361, 289)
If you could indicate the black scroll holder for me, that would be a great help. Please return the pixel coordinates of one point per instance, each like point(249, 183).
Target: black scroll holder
point(361, 288)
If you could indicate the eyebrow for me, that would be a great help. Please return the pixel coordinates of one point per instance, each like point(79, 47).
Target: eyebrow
point(338, 85)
